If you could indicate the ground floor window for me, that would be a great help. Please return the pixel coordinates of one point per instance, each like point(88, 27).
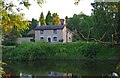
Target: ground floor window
point(55, 39)
point(41, 38)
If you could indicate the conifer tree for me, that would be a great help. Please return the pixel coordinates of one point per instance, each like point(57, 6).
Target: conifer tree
point(48, 18)
point(55, 19)
point(42, 20)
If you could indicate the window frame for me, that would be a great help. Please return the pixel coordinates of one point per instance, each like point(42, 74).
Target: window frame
point(55, 31)
point(41, 37)
point(55, 38)
point(41, 31)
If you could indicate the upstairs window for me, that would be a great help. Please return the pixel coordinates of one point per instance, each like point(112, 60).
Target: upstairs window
point(41, 31)
point(55, 31)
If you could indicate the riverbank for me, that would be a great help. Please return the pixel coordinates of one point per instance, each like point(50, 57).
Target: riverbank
point(76, 51)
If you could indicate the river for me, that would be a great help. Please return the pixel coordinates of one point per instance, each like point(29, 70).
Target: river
point(74, 69)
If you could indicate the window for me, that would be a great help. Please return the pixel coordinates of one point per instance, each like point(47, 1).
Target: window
point(55, 39)
point(55, 31)
point(41, 31)
point(69, 37)
point(41, 38)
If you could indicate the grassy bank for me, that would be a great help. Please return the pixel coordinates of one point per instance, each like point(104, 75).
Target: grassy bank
point(77, 50)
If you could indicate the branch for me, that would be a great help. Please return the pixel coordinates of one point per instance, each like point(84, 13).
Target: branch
point(93, 38)
point(103, 36)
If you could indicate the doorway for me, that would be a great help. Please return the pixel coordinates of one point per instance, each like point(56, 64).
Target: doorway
point(49, 40)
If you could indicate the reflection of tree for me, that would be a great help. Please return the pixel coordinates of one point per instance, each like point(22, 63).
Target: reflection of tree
point(83, 68)
point(118, 68)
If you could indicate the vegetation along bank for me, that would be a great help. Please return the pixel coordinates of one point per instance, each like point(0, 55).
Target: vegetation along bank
point(75, 50)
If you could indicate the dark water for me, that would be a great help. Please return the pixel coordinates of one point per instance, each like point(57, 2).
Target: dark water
point(75, 69)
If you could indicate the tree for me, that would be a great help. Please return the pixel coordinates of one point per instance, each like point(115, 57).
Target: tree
point(55, 19)
point(48, 18)
point(81, 24)
point(32, 26)
point(12, 23)
point(42, 20)
point(66, 19)
point(106, 20)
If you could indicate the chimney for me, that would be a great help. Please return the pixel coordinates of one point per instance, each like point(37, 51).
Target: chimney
point(63, 21)
point(38, 24)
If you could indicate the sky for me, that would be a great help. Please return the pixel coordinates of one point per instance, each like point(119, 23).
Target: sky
point(61, 7)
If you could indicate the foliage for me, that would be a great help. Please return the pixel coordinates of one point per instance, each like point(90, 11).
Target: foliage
point(1, 69)
point(9, 43)
point(48, 18)
point(55, 19)
point(90, 50)
point(32, 26)
point(77, 50)
point(118, 68)
point(81, 23)
point(100, 26)
point(42, 20)
point(12, 22)
point(105, 27)
point(76, 37)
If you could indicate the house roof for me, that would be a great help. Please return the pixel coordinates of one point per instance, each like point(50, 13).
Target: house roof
point(49, 27)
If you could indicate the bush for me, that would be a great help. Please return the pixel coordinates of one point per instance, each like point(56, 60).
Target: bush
point(9, 42)
point(90, 50)
point(75, 50)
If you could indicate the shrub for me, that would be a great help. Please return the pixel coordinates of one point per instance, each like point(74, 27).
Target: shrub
point(9, 42)
point(90, 50)
point(77, 50)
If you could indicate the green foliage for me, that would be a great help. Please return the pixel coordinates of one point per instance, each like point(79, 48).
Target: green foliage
point(106, 20)
point(1, 69)
point(77, 50)
point(81, 23)
point(9, 43)
point(7, 48)
point(90, 50)
point(48, 18)
point(55, 19)
point(76, 37)
point(32, 26)
point(100, 26)
point(11, 22)
point(42, 20)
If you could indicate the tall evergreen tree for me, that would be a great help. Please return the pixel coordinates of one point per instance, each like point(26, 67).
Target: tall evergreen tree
point(42, 20)
point(48, 18)
point(66, 19)
point(33, 23)
point(55, 19)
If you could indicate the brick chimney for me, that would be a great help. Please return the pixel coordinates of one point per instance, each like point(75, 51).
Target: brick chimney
point(38, 24)
point(63, 21)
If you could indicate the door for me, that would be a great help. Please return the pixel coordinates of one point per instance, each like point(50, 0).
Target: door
point(49, 40)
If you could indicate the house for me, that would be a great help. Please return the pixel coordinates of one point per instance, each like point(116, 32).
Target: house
point(52, 33)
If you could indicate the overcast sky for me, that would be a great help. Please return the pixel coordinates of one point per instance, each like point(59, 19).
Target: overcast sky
point(62, 7)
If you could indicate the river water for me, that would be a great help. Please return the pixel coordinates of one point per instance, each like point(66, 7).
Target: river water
point(73, 69)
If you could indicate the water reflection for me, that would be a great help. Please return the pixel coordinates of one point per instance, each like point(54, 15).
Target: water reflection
point(67, 69)
point(22, 75)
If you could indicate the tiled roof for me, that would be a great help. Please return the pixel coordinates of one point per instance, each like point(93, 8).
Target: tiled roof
point(49, 27)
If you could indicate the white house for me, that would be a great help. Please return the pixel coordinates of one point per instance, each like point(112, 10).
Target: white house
point(52, 33)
